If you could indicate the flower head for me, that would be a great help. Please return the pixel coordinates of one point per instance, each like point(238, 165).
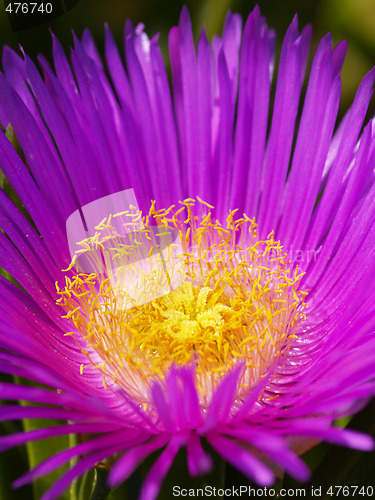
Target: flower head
point(235, 305)
point(227, 299)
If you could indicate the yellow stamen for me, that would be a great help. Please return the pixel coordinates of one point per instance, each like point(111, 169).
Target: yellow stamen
point(217, 297)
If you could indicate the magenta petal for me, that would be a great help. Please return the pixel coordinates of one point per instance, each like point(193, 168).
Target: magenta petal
point(310, 151)
point(344, 437)
point(20, 412)
point(117, 72)
point(126, 464)
point(78, 470)
point(222, 401)
point(289, 83)
point(198, 461)
point(353, 124)
point(232, 34)
point(193, 411)
point(160, 468)
point(162, 408)
point(242, 459)
point(252, 111)
point(127, 438)
point(251, 399)
point(7, 442)
point(274, 448)
point(184, 78)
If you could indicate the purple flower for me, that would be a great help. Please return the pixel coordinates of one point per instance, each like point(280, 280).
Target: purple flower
point(267, 335)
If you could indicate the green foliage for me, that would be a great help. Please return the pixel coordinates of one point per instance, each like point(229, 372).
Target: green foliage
point(13, 463)
point(38, 451)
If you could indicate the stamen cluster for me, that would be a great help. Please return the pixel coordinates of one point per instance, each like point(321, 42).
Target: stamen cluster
point(216, 296)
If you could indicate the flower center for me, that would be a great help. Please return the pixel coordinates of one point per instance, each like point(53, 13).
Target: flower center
point(177, 287)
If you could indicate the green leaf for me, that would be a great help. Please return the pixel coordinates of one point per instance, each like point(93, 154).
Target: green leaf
point(86, 485)
point(38, 451)
point(11, 136)
point(13, 463)
point(101, 490)
point(93, 486)
point(121, 493)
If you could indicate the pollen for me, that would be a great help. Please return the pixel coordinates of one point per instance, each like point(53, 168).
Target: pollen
point(177, 287)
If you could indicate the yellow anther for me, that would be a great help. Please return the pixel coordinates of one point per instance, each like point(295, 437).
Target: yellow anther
point(237, 302)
